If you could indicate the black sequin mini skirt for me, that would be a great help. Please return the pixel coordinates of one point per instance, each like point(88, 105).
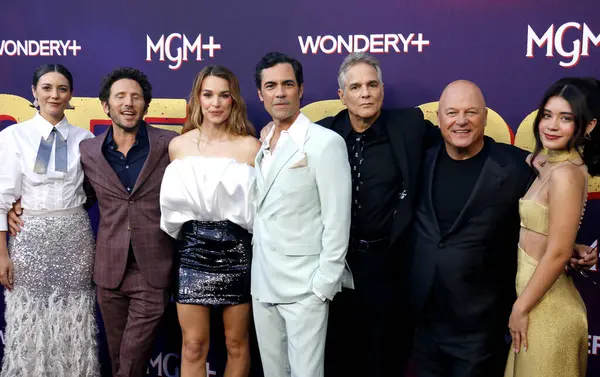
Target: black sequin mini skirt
point(213, 264)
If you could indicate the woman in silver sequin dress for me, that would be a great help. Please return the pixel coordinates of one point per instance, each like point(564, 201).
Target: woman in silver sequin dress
point(207, 202)
point(47, 268)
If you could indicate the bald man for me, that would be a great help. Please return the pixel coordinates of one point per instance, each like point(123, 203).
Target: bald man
point(461, 253)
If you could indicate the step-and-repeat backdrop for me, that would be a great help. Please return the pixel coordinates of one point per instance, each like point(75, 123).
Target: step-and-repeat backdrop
point(513, 49)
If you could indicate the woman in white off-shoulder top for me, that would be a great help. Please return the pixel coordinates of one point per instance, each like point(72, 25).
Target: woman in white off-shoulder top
point(207, 204)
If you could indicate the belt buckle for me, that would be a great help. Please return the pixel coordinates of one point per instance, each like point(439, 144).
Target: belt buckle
point(362, 245)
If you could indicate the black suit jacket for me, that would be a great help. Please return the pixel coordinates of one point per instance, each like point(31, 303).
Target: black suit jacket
point(409, 132)
point(475, 262)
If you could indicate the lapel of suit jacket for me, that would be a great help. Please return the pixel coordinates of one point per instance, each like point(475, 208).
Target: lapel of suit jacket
point(260, 179)
point(398, 142)
point(431, 162)
point(280, 159)
point(104, 167)
point(491, 178)
point(155, 153)
point(288, 149)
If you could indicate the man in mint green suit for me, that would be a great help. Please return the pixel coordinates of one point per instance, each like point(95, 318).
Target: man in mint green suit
point(301, 229)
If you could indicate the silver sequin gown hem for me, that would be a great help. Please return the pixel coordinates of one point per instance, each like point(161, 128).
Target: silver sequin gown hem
point(50, 314)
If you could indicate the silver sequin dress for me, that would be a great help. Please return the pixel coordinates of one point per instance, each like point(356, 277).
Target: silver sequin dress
point(50, 313)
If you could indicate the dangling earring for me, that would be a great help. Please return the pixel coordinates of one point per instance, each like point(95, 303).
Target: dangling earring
point(587, 137)
point(70, 107)
point(36, 103)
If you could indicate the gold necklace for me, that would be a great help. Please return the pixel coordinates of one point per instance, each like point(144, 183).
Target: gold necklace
point(553, 155)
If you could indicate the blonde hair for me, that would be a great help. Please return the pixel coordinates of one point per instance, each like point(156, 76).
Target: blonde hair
point(237, 123)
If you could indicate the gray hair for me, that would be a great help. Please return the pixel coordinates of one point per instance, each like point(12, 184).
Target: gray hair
point(354, 59)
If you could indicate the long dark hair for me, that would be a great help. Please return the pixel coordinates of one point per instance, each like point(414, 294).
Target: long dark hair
point(583, 95)
point(591, 151)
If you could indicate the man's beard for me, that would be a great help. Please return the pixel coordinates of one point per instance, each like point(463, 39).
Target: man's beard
point(115, 121)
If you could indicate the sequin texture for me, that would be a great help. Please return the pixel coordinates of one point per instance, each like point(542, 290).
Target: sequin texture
point(50, 314)
point(213, 262)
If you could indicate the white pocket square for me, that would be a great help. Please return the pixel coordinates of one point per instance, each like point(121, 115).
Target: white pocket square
point(301, 163)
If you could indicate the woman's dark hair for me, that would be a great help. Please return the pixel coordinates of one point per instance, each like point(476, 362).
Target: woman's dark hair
point(46, 68)
point(591, 153)
point(583, 95)
point(126, 73)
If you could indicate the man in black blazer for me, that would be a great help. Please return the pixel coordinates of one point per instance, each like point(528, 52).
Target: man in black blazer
point(385, 150)
point(461, 250)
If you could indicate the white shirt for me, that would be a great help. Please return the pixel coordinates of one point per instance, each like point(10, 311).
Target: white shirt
point(54, 190)
point(297, 132)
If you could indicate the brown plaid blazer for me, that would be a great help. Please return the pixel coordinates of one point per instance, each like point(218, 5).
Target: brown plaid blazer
point(128, 217)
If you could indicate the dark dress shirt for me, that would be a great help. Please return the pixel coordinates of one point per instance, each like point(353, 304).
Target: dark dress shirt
point(128, 167)
point(379, 184)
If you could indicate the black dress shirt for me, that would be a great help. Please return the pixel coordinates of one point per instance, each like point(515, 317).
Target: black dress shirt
point(380, 182)
point(128, 167)
point(453, 184)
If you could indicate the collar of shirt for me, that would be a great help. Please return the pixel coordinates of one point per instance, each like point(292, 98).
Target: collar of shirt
point(46, 127)
point(297, 132)
point(141, 137)
point(378, 128)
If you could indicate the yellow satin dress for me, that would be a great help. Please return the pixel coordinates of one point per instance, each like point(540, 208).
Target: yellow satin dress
point(558, 329)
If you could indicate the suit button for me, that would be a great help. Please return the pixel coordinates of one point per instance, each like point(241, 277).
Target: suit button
point(131, 202)
point(128, 228)
point(403, 194)
point(273, 248)
point(441, 245)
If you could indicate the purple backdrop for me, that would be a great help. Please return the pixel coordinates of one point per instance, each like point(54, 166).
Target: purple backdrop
point(485, 41)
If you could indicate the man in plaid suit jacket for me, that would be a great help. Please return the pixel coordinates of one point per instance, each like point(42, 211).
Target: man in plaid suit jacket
point(124, 168)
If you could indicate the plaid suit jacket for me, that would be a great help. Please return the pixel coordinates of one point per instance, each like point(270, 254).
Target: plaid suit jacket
point(126, 217)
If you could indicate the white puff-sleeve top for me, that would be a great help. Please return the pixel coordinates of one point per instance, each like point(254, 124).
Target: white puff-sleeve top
point(207, 189)
point(53, 190)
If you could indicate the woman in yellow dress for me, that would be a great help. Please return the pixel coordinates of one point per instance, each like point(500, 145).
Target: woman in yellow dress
point(548, 322)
